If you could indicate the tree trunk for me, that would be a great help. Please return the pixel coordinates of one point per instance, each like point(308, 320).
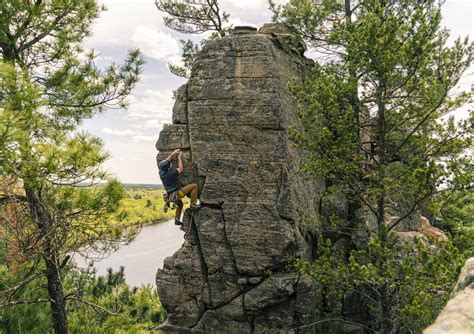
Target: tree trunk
point(42, 218)
point(385, 321)
point(382, 230)
point(56, 294)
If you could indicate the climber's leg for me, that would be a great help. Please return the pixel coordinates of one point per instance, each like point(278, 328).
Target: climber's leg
point(177, 216)
point(191, 190)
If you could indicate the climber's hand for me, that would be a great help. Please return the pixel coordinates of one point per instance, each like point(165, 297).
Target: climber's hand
point(177, 151)
point(180, 154)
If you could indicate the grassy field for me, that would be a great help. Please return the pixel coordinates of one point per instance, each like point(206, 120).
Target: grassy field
point(144, 206)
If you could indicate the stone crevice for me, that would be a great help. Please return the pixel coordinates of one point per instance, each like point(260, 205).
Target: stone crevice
point(268, 128)
point(204, 267)
point(236, 295)
point(227, 243)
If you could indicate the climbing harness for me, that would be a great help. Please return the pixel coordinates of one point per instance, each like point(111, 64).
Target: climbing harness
point(172, 200)
point(167, 205)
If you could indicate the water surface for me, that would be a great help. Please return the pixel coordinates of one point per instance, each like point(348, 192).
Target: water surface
point(144, 255)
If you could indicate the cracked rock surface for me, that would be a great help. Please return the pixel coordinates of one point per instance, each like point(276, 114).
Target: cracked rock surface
point(232, 120)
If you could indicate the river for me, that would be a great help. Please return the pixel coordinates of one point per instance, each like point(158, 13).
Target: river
point(144, 255)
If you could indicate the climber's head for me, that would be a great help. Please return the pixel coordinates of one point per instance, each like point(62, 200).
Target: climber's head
point(164, 165)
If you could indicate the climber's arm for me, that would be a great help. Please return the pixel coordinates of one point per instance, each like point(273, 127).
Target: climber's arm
point(175, 152)
point(180, 163)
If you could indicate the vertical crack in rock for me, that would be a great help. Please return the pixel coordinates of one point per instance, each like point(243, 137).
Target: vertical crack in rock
point(227, 243)
point(195, 232)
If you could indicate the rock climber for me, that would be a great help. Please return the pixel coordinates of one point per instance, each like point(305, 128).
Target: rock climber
point(174, 190)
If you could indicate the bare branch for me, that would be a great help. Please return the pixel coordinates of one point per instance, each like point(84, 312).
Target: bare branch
point(95, 307)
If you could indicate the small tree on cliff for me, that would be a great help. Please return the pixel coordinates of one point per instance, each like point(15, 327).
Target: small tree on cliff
point(192, 17)
point(48, 86)
point(377, 116)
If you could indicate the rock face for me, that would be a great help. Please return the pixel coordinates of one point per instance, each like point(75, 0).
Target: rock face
point(232, 121)
point(457, 317)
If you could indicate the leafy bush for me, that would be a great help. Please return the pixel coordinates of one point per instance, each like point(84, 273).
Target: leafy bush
point(405, 283)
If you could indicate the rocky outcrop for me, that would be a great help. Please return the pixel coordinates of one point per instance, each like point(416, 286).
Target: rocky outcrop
point(232, 121)
point(425, 232)
point(457, 317)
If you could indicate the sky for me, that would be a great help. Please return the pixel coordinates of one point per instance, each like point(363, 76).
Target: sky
point(130, 135)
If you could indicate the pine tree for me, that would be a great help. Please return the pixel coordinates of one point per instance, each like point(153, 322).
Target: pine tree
point(193, 17)
point(48, 85)
point(378, 111)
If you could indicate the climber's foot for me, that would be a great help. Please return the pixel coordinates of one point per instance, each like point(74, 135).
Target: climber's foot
point(178, 222)
point(195, 207)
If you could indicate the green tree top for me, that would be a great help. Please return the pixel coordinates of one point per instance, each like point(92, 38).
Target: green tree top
point(192, 17)
point(378, 122)
point(377, 115)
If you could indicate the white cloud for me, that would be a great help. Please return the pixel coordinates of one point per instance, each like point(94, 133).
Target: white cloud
point(156, 104)
point(155, 44)
point(122, 133)
point(176, 60)
point(153, 124)
point(249, 4)
point(235, 22)
point(254, 4)
point(105, 58)
point(145, 138)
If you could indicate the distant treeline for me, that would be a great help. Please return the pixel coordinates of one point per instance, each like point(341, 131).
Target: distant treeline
point(127, 185)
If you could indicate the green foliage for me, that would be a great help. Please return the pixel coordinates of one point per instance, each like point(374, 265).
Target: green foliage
point(190, 51)
point(32, 318)
point(417, 278)
point(377, 123)
point(141, 207)
point(193, 17)
point(112, 306)
point(106, 305)
point(48, 85)
point(374, 116)
point(456, 214)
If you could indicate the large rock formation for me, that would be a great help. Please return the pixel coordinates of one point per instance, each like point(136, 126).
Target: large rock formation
point(232, 121)
point(457, 317)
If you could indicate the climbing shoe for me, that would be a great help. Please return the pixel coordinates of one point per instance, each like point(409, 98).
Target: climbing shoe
point(178, 222)
point(194, 207)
